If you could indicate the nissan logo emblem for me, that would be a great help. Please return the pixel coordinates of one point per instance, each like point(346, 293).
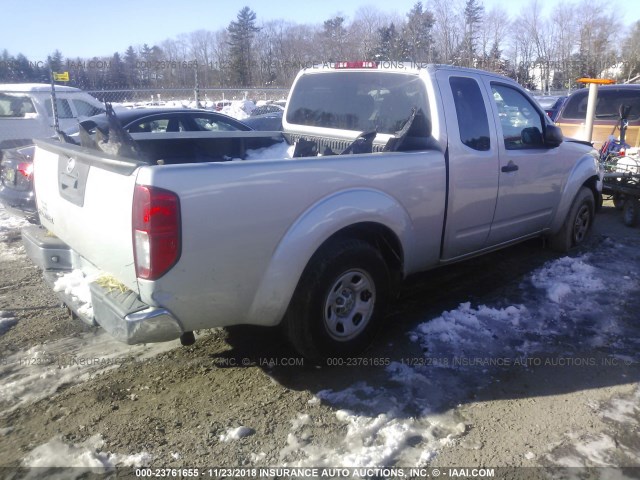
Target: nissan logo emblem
point(71, 164)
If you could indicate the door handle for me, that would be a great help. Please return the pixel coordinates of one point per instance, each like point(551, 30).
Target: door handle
point(509, 167)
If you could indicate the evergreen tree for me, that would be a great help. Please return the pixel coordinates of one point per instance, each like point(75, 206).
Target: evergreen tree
point(390, 46)
point(131, 67)
point(334, 37)
point(117, 72)
point(55, 61)
point(24, 72)
point(473, 13)
point(241, 33)
point(417, 34)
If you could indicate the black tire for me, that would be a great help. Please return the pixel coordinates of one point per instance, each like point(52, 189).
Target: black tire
point(630, 212)
point(618, 201)
point(578, 223)
point(599, 202)
point(339, 303)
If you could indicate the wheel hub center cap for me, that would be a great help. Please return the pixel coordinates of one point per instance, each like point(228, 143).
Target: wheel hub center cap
point(345, 302)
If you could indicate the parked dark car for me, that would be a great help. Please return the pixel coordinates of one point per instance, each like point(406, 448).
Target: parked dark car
point(265, 109)
point(16, 165)
point(551, 104)
point(572, 116)
point(16, 182)
point(271, 122)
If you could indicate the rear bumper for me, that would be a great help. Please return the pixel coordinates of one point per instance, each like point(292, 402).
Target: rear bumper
point(119, 311)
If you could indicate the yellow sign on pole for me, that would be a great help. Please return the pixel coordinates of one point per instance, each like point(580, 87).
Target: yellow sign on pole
point(61, 77)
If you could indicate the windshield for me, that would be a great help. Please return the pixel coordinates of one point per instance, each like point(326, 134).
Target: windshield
point(358, 101)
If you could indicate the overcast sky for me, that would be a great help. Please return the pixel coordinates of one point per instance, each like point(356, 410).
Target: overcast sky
point(100, 28)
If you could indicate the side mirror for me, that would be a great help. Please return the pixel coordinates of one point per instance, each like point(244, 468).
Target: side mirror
point(553, 136)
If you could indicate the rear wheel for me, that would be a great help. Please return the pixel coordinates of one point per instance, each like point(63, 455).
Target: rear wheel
point(630, 212)
point(578, 223)
point(340, 300)
point(618, 201)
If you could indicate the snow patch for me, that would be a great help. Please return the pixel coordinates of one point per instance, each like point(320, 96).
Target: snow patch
point(567, 275)
point(278, 151)
point(394, 422)
point(624, 410)
point(76, 284)
point(239, 109)
point(7, 320)
point(39, 371)
point(236, 433)
point(84, 458)
point(10, 244)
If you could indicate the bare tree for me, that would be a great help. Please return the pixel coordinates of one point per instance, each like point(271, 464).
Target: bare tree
point(631, 52)
point(598, 28)
point(366, 23)
point(565, 24)
point(448, 29)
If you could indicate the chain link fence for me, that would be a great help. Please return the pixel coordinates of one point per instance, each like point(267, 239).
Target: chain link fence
point(206, 97)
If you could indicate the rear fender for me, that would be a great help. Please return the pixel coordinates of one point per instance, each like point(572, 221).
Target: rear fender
point(310, 231)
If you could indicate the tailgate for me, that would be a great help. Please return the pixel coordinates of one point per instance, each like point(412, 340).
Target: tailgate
point(85, 198)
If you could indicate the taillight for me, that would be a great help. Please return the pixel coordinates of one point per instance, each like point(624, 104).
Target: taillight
point(26, 169)
point(156, 231)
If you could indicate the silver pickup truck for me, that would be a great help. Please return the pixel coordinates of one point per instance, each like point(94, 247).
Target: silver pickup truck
point(394, 171)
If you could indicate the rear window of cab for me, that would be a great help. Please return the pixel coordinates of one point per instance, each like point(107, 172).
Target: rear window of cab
point(359, 101)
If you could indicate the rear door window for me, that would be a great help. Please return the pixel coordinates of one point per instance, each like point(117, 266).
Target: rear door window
point(473, 123)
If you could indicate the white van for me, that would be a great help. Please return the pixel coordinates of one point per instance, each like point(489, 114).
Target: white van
point(26, 112)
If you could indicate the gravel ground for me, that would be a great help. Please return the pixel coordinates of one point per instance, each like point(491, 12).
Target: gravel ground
point(183, 406)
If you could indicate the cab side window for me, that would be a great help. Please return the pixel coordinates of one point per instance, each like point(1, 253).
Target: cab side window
point(85, 109)
point(521, 122)
point(63, 107)
point(472, 113)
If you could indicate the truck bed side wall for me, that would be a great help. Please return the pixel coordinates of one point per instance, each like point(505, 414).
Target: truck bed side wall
point(249, 228)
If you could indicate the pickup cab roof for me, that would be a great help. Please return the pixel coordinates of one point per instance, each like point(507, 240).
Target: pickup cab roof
point(34, 88)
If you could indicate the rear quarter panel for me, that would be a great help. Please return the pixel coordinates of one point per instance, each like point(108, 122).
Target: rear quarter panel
point(249, 228)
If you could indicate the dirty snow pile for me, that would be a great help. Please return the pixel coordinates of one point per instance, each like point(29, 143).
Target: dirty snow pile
point(85, 458)
point(412, 415)
point(10, 240)
point(239, 109)
point(7, 320)
point(76, 284)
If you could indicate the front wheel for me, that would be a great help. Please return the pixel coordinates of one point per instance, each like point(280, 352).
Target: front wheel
point(340, 300)
point(578, 223)
point(630, 213)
